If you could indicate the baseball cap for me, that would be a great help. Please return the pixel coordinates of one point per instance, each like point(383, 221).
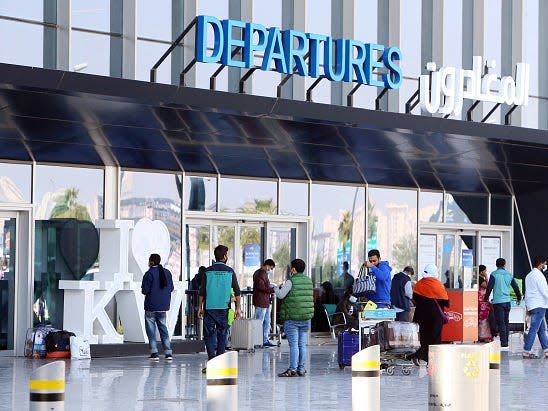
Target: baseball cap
point(430, 270)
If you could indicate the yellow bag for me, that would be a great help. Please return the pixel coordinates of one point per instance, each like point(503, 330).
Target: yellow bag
point(370, 305)
point(231, 316)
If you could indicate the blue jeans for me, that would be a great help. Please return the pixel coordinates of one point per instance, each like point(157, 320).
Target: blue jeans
point(263, 314)
point(538, 327)
point(502, 313)
point(215, 332)
point(153, 319)
point(297, 332)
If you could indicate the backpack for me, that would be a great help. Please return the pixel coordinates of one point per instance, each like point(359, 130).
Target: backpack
point(58, 344)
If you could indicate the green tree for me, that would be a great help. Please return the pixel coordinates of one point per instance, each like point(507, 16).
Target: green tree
point(404, 253)
point(67, 206)
point(372, 219)
point(259, 207)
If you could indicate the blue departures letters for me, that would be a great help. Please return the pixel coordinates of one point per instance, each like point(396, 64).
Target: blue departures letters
point(343, 59)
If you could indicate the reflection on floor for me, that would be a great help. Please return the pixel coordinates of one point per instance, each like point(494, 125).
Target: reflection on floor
point(133, 383)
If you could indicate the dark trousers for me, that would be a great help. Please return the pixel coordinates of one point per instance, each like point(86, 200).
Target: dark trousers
point(215, 332)
point(403, 316)
point(502, 313)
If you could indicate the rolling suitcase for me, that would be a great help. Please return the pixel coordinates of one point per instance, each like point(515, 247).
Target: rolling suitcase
point(246, 334)
point(348, 345)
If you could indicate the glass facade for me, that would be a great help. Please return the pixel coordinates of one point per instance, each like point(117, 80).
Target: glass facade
point(95, 15)
point(93, 50)
point(66, 246)
point(200, 193)
point(15, 183)
point(294, 198)
point(25, 46)
point(157, 197)
point(392, 226)
point(337, 231)
point(248, 196)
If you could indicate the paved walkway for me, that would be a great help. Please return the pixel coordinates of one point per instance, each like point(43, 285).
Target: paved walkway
point(133, 383)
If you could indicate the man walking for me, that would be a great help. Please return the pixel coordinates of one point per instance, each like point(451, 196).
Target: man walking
point(214, 301)
point(536, 301)
point(157, 285)
point(500, 282)
point(401, 293)
point(261, 298)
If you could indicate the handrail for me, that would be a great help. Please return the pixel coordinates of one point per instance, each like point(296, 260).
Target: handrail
point(213, 78)
point(170, 50)
point(312, 86)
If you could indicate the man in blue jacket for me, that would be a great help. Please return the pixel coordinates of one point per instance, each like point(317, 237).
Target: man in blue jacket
point(213, 302)
point(381, 270)
point(157, 286)
point(500, 282)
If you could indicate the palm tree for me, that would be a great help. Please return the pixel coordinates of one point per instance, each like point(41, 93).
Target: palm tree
point(67, 206)
point(259, 207)
point(345, 229)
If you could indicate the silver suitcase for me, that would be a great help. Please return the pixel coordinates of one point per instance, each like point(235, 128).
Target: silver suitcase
point(246, 334)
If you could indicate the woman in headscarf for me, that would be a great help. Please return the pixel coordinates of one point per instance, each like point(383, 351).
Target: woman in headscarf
point(429, 296)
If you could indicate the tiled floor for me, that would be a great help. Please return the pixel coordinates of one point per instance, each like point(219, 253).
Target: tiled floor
point(132, 383)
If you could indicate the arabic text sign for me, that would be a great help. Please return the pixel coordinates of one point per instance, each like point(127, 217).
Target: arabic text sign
point(443, 91)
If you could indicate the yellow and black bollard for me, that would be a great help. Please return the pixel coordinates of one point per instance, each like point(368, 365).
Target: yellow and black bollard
point(222, 382)
point(366, 381)
point(47, 387)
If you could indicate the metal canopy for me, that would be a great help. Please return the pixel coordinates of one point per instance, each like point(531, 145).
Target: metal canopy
point(63, 117)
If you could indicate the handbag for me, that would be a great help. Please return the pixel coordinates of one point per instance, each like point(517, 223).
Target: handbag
point(365, 283)
point(444, 316)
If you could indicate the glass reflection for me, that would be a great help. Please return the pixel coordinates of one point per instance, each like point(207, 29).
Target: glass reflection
point(338, 215)
point(200, 193)
point(248, 196)
point(157, 197)
point(198, 251)
point(15, 183)
point(250, 254)
point(466, 209)
point(501, 210)
point(68, 200)
point(392, 226)
point(431, 207)
point(293, 198)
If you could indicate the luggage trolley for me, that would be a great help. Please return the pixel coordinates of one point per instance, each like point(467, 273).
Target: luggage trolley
point(397, 340)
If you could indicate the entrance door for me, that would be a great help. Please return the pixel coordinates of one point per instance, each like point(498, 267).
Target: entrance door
point(8, 278)
point(457, 253)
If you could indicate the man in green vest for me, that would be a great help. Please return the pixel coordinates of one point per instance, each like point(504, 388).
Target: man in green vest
point(296, 311)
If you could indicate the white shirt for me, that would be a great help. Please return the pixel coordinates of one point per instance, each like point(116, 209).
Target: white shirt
point(536, 290)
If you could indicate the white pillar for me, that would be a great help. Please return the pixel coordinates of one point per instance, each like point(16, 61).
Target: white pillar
point(366, 381)
point(222, 382)
point(47, 387)
point(493, 349)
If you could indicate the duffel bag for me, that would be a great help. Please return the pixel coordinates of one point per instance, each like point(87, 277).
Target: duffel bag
point(58, 344)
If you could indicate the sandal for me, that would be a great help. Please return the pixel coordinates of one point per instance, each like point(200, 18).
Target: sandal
point(529, 355)
point(303, 372)
point(288, 373)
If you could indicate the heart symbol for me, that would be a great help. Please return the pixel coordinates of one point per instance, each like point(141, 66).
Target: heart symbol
point(148, 237)
point(79, 245)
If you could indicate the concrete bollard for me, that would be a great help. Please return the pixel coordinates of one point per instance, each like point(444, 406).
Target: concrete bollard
point(494, 374)
point(47, 387)
point(458, 377)
point(222, 382)
point(366, 381)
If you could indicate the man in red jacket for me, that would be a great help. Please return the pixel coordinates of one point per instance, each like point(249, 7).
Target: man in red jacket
point(261, 297)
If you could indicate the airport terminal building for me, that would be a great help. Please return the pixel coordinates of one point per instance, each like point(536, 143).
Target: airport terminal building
point(282, 129)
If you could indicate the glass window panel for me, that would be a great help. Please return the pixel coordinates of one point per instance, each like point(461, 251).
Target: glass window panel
point(93, 50)
point(25, 43)
point(157, 197)
point(91, 15)
point(8, 243)
point(501, 210)
point(294, 198)
point(392, 226)
point(466, 209)
point(64, 249)
point(15, 183)
point(148, 54)
point(248, 196)
point(29, 9)
point(198, 253)
point(338, 215)
point(200, 193)
point(431, 207)
point(249, 253)
point(154, 19)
